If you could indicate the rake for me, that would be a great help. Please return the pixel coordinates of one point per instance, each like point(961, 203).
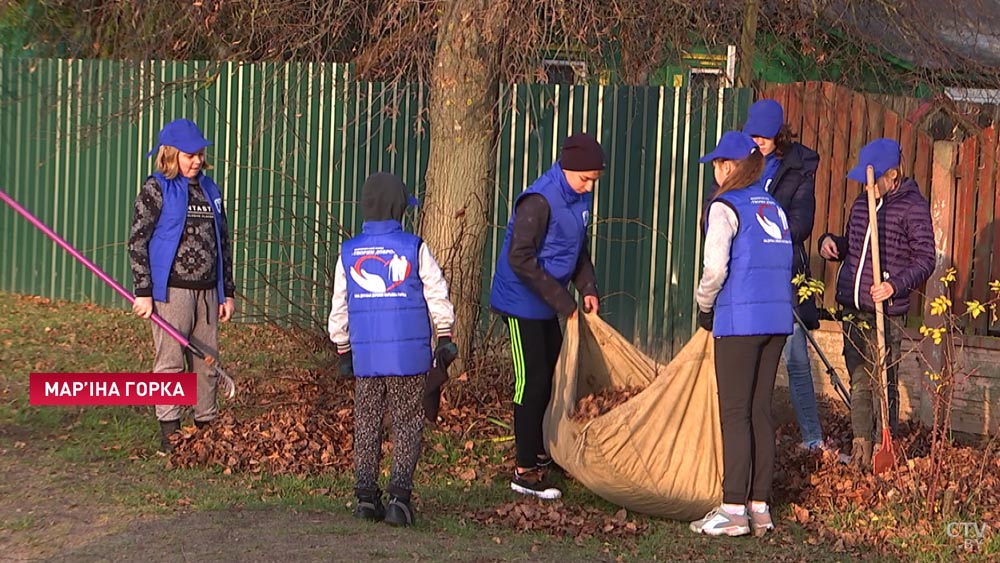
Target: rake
point(225, 382)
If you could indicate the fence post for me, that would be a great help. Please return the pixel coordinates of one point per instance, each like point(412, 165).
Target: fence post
point(942, 201)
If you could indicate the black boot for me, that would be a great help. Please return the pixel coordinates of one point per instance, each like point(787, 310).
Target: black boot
point(168, 427)
point(369, 505)
point(201, 424)
point(399, 512)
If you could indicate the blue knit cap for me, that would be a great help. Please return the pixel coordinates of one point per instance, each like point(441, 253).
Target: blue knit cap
point(732, 146)
point(765, 119)
point(181, 134)
point(881, 154)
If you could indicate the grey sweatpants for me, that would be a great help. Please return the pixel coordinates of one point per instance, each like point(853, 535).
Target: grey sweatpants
point(195, 314)
point(401, 398)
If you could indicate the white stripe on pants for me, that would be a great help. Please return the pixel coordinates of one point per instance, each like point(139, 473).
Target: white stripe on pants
point(195, 314)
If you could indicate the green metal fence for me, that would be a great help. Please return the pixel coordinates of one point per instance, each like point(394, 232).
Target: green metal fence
point(293, 144)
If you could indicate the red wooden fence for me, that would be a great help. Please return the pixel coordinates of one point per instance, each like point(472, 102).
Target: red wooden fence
point(837, 122)
point(976, 248)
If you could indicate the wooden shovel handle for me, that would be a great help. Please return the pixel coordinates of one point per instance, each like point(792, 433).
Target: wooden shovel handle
point(879, 316)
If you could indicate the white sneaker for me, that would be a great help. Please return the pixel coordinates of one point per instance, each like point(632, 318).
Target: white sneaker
point(718, 522)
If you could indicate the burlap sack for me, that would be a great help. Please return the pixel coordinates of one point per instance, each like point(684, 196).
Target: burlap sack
point(660, 452)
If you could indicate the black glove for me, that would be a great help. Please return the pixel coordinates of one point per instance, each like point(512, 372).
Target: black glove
point(705, 320)
point(346, 362)
point(446, 351)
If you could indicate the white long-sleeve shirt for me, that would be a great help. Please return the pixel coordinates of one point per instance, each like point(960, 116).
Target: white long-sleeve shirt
point(435, 293)
point(723, 223)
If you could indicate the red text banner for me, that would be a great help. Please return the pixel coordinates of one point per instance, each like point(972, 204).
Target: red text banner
point(113, 389)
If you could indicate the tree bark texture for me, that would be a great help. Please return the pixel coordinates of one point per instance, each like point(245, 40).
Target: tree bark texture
point(460, 185)
point(748, 38)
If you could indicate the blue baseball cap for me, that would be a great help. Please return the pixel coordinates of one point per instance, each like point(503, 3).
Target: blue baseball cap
point(764, 119)
point(881, 154)
point(733, 145)
point(181, 134)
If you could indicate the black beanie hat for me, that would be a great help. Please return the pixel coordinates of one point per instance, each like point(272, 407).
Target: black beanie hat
point(581, 152)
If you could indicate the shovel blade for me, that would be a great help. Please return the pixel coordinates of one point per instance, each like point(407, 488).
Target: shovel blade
point(884, 459)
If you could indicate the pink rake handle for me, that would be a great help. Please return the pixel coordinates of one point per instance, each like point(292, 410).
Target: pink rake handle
point(209, 359)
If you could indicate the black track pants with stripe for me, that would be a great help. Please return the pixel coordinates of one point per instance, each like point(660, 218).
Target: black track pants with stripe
point(535, 349)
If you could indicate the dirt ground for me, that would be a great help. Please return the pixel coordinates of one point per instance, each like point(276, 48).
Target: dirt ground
point(50, 514)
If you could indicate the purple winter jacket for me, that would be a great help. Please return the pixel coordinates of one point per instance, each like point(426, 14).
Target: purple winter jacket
point(906, 249)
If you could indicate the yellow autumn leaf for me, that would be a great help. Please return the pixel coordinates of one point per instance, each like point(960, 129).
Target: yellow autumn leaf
point(949, 276)
point(995, 286)
point(937, 335)
point(975, 308)
point(863, 325)
point(799, 280)
point(940, 305)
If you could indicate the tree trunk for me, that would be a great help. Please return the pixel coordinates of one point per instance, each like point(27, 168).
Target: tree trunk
point(748, 39)
point(460, 168)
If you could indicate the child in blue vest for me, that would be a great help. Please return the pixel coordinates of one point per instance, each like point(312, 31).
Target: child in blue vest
point(745, 299)
point(544, 249)
point(182, 264)
point(790, 177)
point(387, 290)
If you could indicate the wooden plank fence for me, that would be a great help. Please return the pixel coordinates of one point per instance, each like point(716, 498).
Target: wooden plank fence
point(837, 122)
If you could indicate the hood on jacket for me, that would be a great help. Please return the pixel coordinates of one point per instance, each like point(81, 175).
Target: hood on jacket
point(907, 185)
point(801, 157)
point(384, 198)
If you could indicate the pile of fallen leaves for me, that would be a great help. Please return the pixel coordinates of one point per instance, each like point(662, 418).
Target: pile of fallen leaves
point(594, 405)
point(853, 508)
point(303, 427)
point(302, 423)
point(560, 520)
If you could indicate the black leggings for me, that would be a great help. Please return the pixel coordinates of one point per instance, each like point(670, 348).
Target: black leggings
point(535, 349)
point(745, 368)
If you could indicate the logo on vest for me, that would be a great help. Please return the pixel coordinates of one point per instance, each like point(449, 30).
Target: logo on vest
point(586, 216)
point(772, 219)
point(377, 275)
point(218, 204)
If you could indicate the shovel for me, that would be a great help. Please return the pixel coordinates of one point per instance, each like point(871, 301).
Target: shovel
point(225, 382)
point(884, 458)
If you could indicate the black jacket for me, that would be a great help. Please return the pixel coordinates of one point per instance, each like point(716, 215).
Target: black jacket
point(794, 188)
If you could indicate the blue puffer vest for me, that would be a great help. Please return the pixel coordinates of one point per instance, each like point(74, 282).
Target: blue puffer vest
point(756, 298)
point(166, 236)
point(564, 239)
point(389, 323)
